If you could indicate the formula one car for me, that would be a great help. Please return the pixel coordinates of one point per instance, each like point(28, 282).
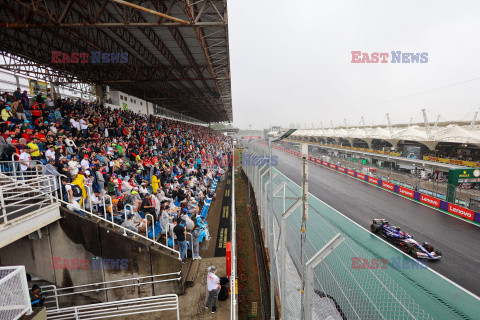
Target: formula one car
point(406, 241)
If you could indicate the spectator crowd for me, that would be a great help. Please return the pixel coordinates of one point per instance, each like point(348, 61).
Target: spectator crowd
point(156, 171)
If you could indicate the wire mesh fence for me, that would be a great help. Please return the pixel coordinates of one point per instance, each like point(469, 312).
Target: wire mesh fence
point(15, 299)
point(363, 278)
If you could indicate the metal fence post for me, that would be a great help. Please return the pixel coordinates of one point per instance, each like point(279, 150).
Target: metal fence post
point(2, 204)
point(283, 253)
point(303, 235)
point(311, 264)
point(25, 291)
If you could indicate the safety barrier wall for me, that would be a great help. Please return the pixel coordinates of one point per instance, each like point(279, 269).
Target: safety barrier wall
point(460, 211)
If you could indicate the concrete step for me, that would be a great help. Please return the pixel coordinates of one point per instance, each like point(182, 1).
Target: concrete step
point(192, 272)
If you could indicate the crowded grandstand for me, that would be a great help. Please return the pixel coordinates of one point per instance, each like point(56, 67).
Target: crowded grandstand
point(154, 165)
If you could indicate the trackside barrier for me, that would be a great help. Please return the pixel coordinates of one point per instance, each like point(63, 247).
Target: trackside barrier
point(455, 209)
point(410, 290)
point(54, 293)
point(121, 308)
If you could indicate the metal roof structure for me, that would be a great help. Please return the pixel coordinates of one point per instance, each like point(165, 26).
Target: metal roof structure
point(429, 137)
point(178, 50)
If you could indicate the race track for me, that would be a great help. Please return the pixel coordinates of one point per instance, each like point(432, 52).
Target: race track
point(459, 241)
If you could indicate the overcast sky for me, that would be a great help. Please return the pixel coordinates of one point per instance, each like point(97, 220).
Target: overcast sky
point(291, 61)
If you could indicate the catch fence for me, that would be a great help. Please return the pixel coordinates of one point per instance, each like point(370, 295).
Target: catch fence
point(395, 286)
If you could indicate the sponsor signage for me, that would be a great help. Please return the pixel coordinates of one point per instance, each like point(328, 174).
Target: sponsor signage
point(406, 192)
point(251, 137)
point(388, 185)
point(459, 211)
point(430, 200)
point(37, 87)
point(452, 161)
point(435, 202)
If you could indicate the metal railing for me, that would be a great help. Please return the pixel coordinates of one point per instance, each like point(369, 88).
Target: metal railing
point(233, 272)
point(14, 168)
point(111, 222)
point(121, 308)
point(15, 299)
point(54, 293)
point(21, 197)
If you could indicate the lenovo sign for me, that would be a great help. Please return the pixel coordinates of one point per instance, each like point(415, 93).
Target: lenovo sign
point(406, 192)
point(332, 166)
point(341, 169)
point(459, 211)
point(351, 172)
point(388, 185)
point(430, 200)
point(360, 176)
point(373, 180)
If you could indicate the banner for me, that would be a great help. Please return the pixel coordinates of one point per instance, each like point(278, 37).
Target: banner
point(373, 180)
point(459, 211)
point(360, 176)
point(430, 200)
point(37, 87)
point(325, 163)
point(251, 137)
point(388, 185)
point(451, 161)
point(341, 169)
point(406, 192)
point(333, 166)
point(351, 172)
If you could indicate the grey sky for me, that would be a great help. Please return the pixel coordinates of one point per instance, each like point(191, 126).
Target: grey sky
point(291, 61)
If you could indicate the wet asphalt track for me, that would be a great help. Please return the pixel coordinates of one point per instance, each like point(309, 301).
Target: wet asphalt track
point(459, 241)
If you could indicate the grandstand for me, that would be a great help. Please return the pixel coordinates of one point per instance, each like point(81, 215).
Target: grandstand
point(104, 163)
point(458, 142)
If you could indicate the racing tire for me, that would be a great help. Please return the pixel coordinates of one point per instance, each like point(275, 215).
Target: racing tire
point(407, 247)
point(428, 247)
point(374, 228)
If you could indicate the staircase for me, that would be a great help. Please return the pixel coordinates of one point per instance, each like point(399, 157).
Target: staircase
point(26, 205)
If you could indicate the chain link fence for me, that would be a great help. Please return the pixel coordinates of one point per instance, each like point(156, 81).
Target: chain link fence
point(14, 298)
point(343, 288)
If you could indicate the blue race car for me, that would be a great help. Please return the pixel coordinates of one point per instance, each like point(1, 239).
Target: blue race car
point(404, 240)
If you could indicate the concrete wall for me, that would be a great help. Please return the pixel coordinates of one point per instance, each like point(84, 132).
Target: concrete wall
point(76, 237)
